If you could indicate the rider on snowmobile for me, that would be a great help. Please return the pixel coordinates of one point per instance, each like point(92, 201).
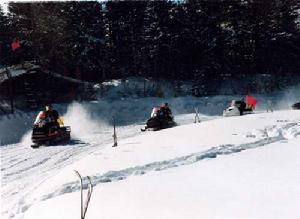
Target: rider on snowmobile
point(242, 106)
point(166, 111)
point(48, 118)
point(52, 115)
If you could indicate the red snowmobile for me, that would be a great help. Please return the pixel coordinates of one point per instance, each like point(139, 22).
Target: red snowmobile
point(48, 132)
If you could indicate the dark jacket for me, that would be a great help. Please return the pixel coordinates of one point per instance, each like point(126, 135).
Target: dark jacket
point(52, 115)
point(166, 111)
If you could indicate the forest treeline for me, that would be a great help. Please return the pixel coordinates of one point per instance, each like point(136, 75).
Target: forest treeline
point(204, 41)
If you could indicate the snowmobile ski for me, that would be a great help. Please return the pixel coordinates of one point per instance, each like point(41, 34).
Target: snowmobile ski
point(149, 129)
point(35, 146)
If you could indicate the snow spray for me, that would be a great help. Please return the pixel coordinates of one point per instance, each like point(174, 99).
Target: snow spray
point(82, 122)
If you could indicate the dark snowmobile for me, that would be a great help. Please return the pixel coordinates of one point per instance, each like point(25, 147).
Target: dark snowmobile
point(159, 120)
point(49, 133)
point(50, 136)
point(296, 106)
point(237, 109)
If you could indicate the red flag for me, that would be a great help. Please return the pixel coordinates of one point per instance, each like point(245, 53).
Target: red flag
point(15, 45)
point(251, 101)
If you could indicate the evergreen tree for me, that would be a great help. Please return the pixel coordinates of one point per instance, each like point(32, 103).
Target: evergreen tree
point(84, 39)
point(207, 59)
point(124, 22)
point(22, 28)
point(157, 39)
point(284, 44)
point(206, 41)
point(150, 36)
point(5, 36)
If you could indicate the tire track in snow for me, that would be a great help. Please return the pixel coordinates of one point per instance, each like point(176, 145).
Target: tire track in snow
point(27, 168)
point(60, 155)
point(213, 152)
point(25, 199)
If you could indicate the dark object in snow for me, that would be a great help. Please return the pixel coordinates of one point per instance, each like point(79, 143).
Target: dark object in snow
point(115, 134)
point(84, 207)
point(49, 128)
point(160, 118)
point(239, 108)
point(197, 118)
point(50, 135)
point(296, 106)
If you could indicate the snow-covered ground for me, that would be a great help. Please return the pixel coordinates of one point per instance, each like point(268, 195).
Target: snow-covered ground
point(24, 169)
point(239, 167)
point(204, 170)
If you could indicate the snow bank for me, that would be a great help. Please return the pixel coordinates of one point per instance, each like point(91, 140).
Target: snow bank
point(86, 117)
point(122, 99)
point(139, 87)
point(13, 127)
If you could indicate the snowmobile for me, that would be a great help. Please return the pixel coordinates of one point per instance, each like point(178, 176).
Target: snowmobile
point(240, 107)
point(237, 109)
point(50, 133)
point(159, 120)
point(296, 106)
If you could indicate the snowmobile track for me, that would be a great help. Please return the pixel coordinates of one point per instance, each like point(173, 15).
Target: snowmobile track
point(213, 152)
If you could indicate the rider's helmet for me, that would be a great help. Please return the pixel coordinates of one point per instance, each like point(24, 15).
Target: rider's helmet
point(48, 106)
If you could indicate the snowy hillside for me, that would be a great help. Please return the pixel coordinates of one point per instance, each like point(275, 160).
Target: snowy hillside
point(30, 176)
point(225, 167)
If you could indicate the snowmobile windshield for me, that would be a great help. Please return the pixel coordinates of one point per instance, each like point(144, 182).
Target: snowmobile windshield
point(42, 118)
point(39, 117)
point(154, 112)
